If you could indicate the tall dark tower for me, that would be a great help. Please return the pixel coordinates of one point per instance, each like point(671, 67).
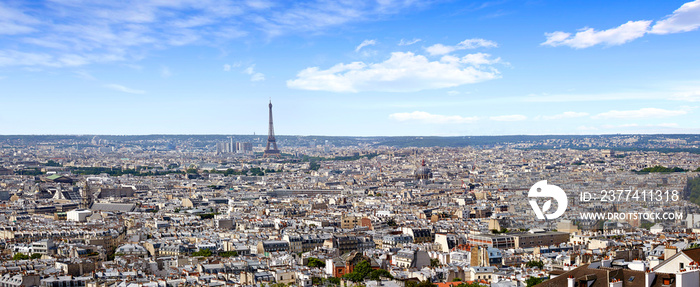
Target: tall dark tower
point(271, 149)
point(87, 197)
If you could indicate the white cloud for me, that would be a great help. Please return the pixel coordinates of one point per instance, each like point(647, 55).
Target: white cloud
point(85, 75)
point(440, 49)
point(690, 96)
point(508, 118)
point(431, 118)
point(586, 128)
point(257, 77)
point(165, 72)
point(316, 15)
point(666, 125)
point(644, 113)
point(124, 89)
point(564, 115)
point(475, 59)
point(17, 58)
point(684, 19)
point(250, 70)
point(402, 72)
point(228, 67)
point(453, 93)
point(409, 42)
point(365, 43)
point(14, 21)
point(254, 76)
point(588, 37)
point(256, 4)
point(108, 31)
point(675, 93)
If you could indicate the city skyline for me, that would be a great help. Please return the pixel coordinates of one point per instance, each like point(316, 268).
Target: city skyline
point(350, 69)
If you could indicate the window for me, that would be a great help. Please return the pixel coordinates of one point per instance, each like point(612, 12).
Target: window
point(680, 265)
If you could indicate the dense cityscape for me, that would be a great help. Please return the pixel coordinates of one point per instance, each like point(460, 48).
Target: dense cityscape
point(412, 143)
point(211, 211)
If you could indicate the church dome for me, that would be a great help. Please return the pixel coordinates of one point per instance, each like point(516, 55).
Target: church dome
point(423, 172)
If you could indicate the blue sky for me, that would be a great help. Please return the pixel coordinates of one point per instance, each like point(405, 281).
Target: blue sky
point(349, 67)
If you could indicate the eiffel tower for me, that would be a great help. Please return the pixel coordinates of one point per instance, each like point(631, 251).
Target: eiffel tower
point(271, 149)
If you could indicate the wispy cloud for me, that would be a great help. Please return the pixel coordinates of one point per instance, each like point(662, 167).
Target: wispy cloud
point(476, 59)
point(684, 19)
point(404, 42)
point(645, 113)
point(402, 72)
point(365, 43)
point(85, 75)
point(124, 89)
point(317, 15)
point(564, 115)
point(74, 33)
point(165, 72)
point(254, 76)
point(686, 94)
point(228, 67)
point(13, 21)
point(440, 49)
point(588, 37)
point(426, 117)
point(508, 118)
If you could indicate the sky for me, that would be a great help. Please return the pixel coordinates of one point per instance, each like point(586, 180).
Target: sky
point(349, 68)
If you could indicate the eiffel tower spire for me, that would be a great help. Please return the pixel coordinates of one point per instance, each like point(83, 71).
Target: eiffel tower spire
point(271, 149)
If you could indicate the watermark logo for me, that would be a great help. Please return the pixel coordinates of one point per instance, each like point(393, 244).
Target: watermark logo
point(542, 189)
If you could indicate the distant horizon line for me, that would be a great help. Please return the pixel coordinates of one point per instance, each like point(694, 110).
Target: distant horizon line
point(365, 136)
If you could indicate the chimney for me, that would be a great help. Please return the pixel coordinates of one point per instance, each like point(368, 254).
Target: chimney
point(669, 251)
point(649, 278)
point(616, 283)
point(570, 282)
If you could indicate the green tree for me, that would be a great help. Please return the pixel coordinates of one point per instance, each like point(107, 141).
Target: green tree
point(535, 263)
point(20, 256)
point(52, 163)
point(361, 271)
point(313, 165)
point(228, 254)
point(35, 256)
point(660, 168)
point(206, 215)
point(457, 279)
point(375, 274)
point(434, 262)
point(315, 262)
point(202, 252)
point(532, 281)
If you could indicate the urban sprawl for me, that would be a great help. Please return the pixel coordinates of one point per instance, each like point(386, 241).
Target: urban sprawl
point(234, 211)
